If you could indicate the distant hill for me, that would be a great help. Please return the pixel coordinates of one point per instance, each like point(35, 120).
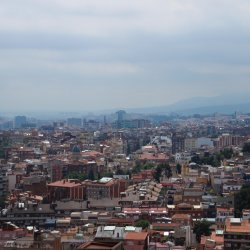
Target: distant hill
point(202, 105)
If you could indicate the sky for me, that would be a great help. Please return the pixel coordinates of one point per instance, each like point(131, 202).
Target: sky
point(77, 55)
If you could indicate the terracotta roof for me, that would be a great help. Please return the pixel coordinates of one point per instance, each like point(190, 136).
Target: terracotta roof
point(219, 239)
point(98, 245)
point(91, 153)
point(150, 156)
point(225, 209)
point(181, 216)
point(242, 227)
point(170, 225)
point(64, 183)
point(136, 236)
point(149, 210)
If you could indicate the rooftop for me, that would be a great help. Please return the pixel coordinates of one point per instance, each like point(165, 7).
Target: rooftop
point(64, 183)
point(99, 245)
point(237, 225)
point(136, 236)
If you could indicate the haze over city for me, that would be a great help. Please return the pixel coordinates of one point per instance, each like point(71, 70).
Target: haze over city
point(95, 55)
point(125, 125)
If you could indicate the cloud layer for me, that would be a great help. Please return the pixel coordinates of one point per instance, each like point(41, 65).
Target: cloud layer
point(89, 55)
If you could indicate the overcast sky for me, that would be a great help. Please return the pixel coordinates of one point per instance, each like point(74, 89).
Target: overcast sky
point(75, 55)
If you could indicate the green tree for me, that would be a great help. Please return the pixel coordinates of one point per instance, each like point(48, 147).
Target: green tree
point(202, 228)
point(167, 170)
point(91, 175)
point(246, 148)
point(128, 172)
point(242, 199)
point(119, 172)
point(75, 175)
point(178, 168)
point(142, 223)
point(227, 153)
point(106, 174)
point(148, 166)
point(196, 159)
point(2, 202)
point(157, 173)
point(137, 168)
point(163, 167)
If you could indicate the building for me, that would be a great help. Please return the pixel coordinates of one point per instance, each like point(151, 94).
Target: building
point(196, 211)
point(95, 245)
point(178, 143)
point(74, 122)
point(113, 233)
point(136, 241)
point(28, 215)
point(35, 240)
point(3, 181)
point(66, 189)
point(20, 121)
point(192, 196)
point(120, 117)
point(221, 216)
point(105, 188)
point(236, 234)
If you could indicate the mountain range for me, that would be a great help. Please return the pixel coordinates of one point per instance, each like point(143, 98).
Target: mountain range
point(226, 104)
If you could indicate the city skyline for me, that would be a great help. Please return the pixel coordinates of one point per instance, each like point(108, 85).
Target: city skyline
point(82, 55)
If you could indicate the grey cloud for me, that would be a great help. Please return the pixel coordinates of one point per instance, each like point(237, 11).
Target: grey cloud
point(90, 55)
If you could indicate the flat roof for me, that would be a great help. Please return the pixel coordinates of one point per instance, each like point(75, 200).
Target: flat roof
point(64, 183)
point(136, 236)
point(109, 228)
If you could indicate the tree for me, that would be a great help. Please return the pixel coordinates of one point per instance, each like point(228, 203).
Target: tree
point(136, 169)
point(128, 172)
point(242, 199)
point(75, 175)
point(119, 172)
point(106, 174)
point(148, 166)
point(202, 228)
point(178, 168)
point(246, 148)
point(91, 175)
point(167, 170)
point(2, 202)
point(160, 168)
point(157, 173)
point(142, 223)
point(227, 153)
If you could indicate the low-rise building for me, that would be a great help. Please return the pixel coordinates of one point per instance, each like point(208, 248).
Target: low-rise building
point(236, 234)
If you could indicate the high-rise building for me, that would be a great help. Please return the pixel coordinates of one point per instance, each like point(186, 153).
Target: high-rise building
point(178, 143)
point(3, 181)
point(120, 115)
point(75, 122)
point(20, 121)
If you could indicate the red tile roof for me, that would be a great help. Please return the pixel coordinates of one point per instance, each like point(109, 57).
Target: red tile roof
point(136, 236)
point(64, 183)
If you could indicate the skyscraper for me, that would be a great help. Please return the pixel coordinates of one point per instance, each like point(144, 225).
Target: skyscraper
point(20, 121)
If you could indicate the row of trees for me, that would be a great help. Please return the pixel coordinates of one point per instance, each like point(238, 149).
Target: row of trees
point(82, 176)
point(215, 159)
